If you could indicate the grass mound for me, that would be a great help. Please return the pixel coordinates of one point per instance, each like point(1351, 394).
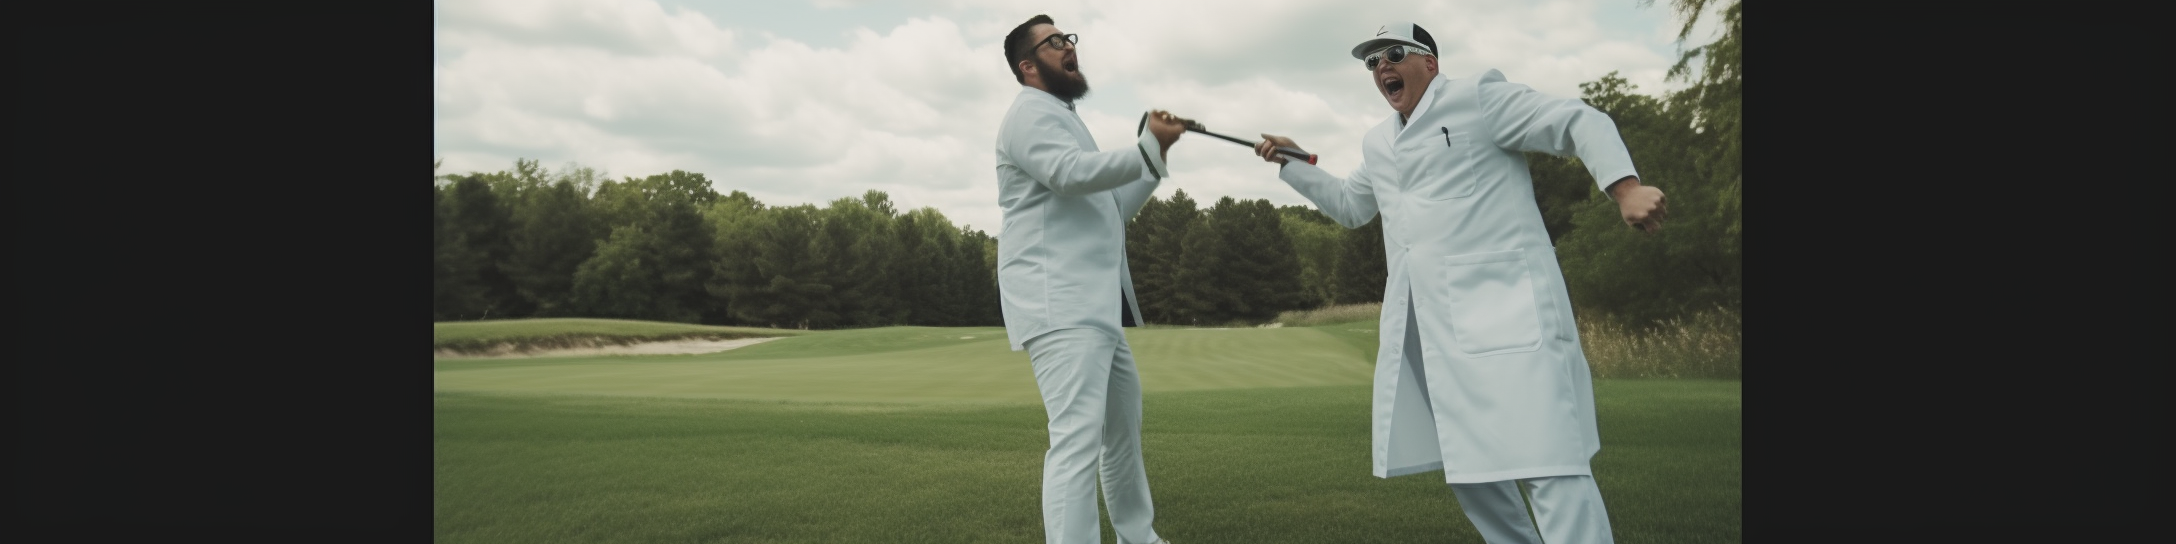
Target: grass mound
point(511, 335)
point(1326, 315)
point(1708, 344)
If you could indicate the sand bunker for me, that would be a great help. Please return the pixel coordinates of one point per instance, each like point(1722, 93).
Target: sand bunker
point(666, 347)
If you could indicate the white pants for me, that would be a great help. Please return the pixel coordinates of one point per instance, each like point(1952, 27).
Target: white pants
point(1093, 398)
point(1568, 509)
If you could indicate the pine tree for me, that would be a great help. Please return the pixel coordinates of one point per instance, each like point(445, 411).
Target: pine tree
point(911, 275)
point(622, 279)
point(783, 280)
point(1362, 269)
point(1258, 272)
point(1315, 239)
point(861, 240)
point(455, 285)
point(682, 249)
point(989, 311)
point(477, 223)
point(931, 279)
point(1272, 261)
point(1197, 296)
point(971, 283)
point(552, 234)
point(1155, 243)
point(734, 221)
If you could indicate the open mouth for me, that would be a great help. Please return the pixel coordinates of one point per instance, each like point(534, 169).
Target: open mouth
point(1392, 86)
point(1071, 66)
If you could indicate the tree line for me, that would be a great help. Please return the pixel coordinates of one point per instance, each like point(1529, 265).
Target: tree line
point(669, 247)
point(530, 243)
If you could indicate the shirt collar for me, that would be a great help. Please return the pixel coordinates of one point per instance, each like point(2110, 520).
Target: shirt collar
point(1426, 98)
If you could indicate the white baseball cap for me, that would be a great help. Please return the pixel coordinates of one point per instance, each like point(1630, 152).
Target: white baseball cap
point(1396, 33)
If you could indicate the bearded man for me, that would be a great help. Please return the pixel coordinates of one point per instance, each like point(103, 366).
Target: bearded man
point(1066, 289)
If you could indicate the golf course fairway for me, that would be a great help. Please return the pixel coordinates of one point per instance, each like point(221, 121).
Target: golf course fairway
point(921, 434)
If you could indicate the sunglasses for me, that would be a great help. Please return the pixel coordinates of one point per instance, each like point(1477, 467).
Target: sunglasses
point(1395, 52)
point(1058, 41)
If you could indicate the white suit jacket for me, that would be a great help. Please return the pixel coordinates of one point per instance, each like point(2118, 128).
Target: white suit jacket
point(1061, 258)
point(1467, 252)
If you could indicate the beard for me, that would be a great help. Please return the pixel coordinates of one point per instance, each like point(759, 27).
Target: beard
point(1065, 86)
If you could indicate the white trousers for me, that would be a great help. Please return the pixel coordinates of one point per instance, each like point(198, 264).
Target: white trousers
point(1567, 509)
point(1093, 399)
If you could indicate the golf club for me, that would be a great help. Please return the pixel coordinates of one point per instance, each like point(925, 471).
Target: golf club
point(1196, 127)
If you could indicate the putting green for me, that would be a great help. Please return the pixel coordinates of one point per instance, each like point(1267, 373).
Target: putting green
point(925, 364)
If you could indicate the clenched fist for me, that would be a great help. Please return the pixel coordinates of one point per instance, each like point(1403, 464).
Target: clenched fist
point(1641, 206)
point(1167, 129)
point(1268, 148)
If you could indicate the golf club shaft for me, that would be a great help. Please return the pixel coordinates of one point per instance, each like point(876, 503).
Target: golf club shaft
point(1286, 151)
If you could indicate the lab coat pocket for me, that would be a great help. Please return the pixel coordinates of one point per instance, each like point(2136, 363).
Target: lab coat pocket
point(1438, 164)
point(1492, 305)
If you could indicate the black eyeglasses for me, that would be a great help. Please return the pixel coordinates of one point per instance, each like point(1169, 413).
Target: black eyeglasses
point(1395, 52)
point(1057, 41)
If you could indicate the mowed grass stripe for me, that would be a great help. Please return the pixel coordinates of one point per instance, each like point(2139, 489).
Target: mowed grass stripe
point(1185, 360)
point(919, 364)
point(1253, 466)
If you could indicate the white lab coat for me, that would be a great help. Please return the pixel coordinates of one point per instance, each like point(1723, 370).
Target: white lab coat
point(1510, 390)
point(1061, 259)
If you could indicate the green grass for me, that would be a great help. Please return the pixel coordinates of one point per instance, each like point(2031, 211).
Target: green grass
point(918, 364)
point(913, 434)
point(1241, 466)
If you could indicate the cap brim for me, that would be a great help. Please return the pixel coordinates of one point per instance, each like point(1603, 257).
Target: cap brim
point(1361, 51)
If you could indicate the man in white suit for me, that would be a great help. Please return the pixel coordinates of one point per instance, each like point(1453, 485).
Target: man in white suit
point(1066, 290)
point(1479, 372)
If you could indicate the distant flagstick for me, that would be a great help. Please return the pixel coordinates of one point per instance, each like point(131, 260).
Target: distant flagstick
point(1196, 127)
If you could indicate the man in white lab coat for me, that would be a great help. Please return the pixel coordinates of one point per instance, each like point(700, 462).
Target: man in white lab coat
point(1479, 372)
point(1065, 287)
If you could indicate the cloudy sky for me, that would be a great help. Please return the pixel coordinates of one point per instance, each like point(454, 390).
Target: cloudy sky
point(806, 101)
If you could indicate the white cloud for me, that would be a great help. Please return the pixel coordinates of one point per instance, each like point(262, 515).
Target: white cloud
point(631, 27)
point(911, 105)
